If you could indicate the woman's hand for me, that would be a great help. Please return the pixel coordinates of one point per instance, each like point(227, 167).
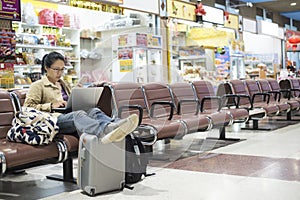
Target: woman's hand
point(59, 104)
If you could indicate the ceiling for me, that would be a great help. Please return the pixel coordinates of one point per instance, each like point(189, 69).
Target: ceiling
point(281, 6)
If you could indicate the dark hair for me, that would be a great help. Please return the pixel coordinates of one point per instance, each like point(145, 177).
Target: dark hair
point(49, 59)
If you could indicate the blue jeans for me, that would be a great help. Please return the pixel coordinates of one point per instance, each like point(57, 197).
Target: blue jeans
point(92, 122)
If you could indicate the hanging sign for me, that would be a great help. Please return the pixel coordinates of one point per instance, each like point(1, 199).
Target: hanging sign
point(97, 5)
point(231, 21)
point(10, 10)
point(181, 10)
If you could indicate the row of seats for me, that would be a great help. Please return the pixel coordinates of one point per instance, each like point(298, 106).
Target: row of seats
point(17, 156)
point(172, 110)
point(166, 111)
point(262, 95)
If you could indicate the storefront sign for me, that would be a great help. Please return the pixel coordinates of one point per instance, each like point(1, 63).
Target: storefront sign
point(96, 6)
point(181, 10)
point(10, 10)
point(109, 1)
point(213, 15)
point(232, 21)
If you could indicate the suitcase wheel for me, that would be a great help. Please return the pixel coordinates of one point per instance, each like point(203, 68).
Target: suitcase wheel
point(92, 192)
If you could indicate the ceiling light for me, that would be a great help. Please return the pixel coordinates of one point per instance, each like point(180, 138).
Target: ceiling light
point(293, 4)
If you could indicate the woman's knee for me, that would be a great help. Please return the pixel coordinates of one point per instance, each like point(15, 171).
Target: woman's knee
point(79, 113)
point(93, 111)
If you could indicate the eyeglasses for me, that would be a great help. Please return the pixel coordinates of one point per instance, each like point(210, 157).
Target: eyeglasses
point(58, 69)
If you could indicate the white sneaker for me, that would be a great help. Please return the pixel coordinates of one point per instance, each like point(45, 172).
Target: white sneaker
point(125, 126)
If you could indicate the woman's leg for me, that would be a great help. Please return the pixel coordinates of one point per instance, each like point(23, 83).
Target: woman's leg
point(80, 121)
point(98, 114)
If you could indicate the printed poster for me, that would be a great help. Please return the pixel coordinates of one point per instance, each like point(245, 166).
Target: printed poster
point(126, 65)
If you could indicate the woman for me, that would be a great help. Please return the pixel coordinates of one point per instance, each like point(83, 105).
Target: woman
point(52, 92)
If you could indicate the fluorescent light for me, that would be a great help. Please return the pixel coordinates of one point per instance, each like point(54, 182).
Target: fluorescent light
point(293, 4)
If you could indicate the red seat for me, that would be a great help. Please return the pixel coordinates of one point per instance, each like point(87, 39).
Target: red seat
point(275, 86)
point(259, 99)
point(15, 155)
point(159, 103)
point(205, 88)
point(121, 99)
point(265, 87)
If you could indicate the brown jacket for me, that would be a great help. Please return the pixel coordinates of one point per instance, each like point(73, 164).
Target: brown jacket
point(42, 93)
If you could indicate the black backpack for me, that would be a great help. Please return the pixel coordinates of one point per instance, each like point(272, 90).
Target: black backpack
point(136, 160)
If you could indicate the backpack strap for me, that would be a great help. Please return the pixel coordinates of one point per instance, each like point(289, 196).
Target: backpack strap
point(144, 158)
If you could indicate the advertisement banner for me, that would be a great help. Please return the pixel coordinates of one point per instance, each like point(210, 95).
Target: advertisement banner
point(10, 10)
point(292, 40)
point(231, 21)
point(222, 63)
point(126, 65)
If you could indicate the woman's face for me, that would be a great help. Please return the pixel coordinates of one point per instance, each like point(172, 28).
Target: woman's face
point(55, 71)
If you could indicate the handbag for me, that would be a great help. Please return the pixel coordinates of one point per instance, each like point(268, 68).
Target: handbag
point(34, 127)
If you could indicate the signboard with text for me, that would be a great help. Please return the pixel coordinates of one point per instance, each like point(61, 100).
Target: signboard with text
point(10, 10)
point(181, 10)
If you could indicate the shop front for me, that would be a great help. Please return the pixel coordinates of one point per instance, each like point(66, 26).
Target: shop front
point(74, 29)
point(263, 47)
point(293, 52)
point(205, 49)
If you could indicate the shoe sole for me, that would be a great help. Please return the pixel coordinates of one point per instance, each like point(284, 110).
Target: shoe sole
point(124, 129)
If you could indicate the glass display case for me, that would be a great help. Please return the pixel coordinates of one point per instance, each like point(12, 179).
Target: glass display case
point(237, 66)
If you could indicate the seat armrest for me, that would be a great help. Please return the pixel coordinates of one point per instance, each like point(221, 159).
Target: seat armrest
point(296, 90)
point(216, 98)
point(288, 91)
point(225, 98)
point(136, 107)
point(244, 96)
point(171, 104)
point(277, 95)
point(265, 95)
point(181, 102)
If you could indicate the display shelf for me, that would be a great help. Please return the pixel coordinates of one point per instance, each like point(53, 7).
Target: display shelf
point(36, 40)
point(119, 28)
point(35, 46)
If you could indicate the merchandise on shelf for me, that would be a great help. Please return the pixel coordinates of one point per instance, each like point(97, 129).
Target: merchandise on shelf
point(34, 41)
point(6, 75)
point(252, 62)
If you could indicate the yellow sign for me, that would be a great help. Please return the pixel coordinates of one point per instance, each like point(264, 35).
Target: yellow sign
point(40, 5)
point(181, 10)
point(209, 37)
point(126, 65)
point(232, 22)
point(97, 6)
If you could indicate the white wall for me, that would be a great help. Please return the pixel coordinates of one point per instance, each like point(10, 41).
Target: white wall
point(261, 44)
point(150, 6)
point(88, 18)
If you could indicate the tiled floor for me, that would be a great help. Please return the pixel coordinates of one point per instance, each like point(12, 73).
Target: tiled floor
point(264, 165)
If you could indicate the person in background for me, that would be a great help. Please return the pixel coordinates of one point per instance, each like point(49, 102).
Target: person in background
point(52, 92)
